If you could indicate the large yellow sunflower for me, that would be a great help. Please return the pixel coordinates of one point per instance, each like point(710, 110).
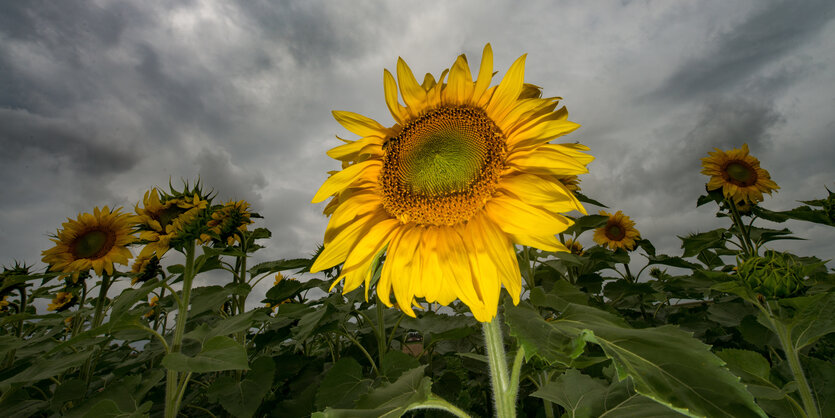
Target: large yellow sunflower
point(466, 172)
point(94, 241)
point(738, 175)
point(619, 232)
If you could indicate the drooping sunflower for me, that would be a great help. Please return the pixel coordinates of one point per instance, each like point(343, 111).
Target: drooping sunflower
point(229, 222)
point(61, 302)
point(619, 232)
point(145, 268)
point(738, 175)
point(574, 246)
point(166, 220)
point(94, 241)
point(570, 182)
point(466, 172)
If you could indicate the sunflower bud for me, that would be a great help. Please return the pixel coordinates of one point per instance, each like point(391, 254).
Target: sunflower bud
point(774, 275)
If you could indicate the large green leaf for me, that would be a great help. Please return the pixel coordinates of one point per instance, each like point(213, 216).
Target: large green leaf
point(390, 400)
point(243, 398)
point(46, 368)
point(279, 265)
point(212, 298)
point(695, 243)
point(580, 395)
point(541, 339)
point(343, 385)
point(218, 354)
point(754, 370)
point(665, 363)
point(227, 326)
point(815, 317)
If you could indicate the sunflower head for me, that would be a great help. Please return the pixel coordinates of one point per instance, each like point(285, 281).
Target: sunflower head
point(62, 302)
point(774, 275)
point(168, 220)
point(96, 241)
point(145, 268)
point(574, 246)
point(13, 278)
point(466, 171)
point(152, 304)
point(228, 222)
point(619, 232)
point(570, 182)
point(738, 175)
point(4, 305)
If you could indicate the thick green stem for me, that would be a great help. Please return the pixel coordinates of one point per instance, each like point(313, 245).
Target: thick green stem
point(503, 396)
point(172, 404)
point(784, 335)
point(98, 317)
point(743, 231)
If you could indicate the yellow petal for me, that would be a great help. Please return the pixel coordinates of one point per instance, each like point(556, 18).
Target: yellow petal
point(546, 160)
point(455, 264)
point(459, 90)
point(360, 124)
point(527, 224)
point(485, 272)
point(405, 267)
point(351, 150)
point(357, 206)
point(398, 112)
point(537, 191)
point(485, 74)
point(336, 251)
point(503, 253)
point(540, 133)
point(413, 94)
point(341, 180)
point(508, 91)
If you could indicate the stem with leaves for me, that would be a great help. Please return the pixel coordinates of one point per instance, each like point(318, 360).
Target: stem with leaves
point(174, 384)
point(504, 391)
point(747, 245)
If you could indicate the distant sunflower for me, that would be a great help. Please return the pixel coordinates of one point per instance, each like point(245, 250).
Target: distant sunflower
point(466, 172)
point(94, 241)
point(145, 268)
point(570, 182)
point(574, 247)
point(62, 302)
point(619, 232)
point(738, 175)
point(229, 222)
point(166, 220)
point(152, 304)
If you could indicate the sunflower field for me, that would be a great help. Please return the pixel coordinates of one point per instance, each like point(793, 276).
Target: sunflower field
point(400, 311)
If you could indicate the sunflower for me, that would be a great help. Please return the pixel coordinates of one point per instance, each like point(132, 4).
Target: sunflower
point(738, 175)
point(94, 241)
point(152, 304)
point(574, 246)
point(229, 222)
point(466, 172)
point(570, 182)
point(145, 268)
point(4, 304)
point(619, 232)
point(62, 302)
point(165, 220)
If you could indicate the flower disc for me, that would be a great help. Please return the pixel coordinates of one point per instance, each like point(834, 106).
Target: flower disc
point(442, 166)
point(619, 232)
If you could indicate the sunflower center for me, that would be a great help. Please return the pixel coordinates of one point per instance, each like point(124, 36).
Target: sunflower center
point(615, 232)
point(93, 244)
point(443, 166)
point(741, 174)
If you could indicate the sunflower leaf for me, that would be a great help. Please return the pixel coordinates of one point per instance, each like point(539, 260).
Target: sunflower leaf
point(218, 354)
point(390, 400)
point(243, 398)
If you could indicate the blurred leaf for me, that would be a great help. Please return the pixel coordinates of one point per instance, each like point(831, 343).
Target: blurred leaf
point(227, 326)
point(696, 243)
point(647, 246)
point(763, 235)
point(822, 379)
point(343, 385)
point(212, 298)
point(540, 338)
point(801, 213)
point(672, 261)
point(815, 317)
point(754, 370)
point(585, 199)
point(46, 368)
point(285, 289)
point(129, 297)
point(218, 354)
point(390, 400)
point(396, 362)
point(313, 321)
point(585, 223)
point(279, 265)
point(243, 398)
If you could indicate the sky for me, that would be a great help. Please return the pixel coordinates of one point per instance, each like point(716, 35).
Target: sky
point(102, 100)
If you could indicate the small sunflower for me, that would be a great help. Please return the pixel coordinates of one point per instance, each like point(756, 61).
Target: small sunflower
point(619, 232)
point(466, 172)
point(94, 241)
point(146, 268)
point(738, 175)
point(570, 182)
point(62, 302)
point(574, 247)
point(168, 220)
point(152, 304)
point(4, 304)
point(229, 222)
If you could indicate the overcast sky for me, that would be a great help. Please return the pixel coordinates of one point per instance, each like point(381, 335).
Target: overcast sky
point(101, 100)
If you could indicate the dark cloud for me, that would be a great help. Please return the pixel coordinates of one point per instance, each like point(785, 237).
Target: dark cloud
point(775, 30)
point(216, 171)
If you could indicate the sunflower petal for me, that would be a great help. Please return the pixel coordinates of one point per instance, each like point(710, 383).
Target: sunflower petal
point(507, 92)
point(413, 94)
point(527, 224)
point(342, 179)
point(485, 74)
point(459, 90)
point(360, 125)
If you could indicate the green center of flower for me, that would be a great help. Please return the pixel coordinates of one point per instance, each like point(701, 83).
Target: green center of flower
point(741, 174)
point(443, 166)
point(93, 244)
point(615, 232)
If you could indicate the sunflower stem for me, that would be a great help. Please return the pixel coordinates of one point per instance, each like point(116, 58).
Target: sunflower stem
point(503, 395)
point(784, 335)
point(436, 402)
point(172, 398)
point(743, 231)
point(98, 317)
